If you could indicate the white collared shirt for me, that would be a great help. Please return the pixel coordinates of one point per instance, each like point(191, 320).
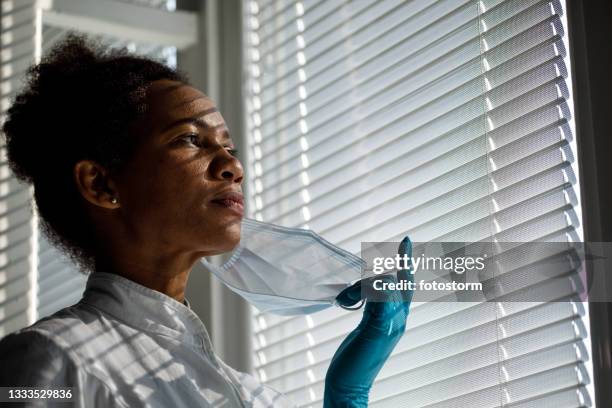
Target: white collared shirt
point(125, 345)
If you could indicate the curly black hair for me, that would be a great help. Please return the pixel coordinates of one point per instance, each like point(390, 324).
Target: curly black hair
point(77, 104)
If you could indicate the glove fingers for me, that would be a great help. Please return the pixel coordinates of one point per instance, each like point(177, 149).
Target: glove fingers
point(350, 296)
point(405, 248)
point(396, 302)
point(353, 294)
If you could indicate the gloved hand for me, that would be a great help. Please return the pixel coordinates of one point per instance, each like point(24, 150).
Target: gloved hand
point(364, 351)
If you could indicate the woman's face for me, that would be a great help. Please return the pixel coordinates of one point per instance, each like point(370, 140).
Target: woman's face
point(182, 189)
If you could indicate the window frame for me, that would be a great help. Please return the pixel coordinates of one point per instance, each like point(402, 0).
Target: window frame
point(589, 56)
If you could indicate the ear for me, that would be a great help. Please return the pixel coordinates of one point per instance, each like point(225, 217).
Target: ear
point(95, 185)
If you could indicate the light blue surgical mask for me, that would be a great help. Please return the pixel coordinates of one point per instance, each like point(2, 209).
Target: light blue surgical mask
point(287, 271)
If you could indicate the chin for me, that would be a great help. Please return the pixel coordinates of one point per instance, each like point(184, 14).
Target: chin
point(215, 235)
point(229, 238)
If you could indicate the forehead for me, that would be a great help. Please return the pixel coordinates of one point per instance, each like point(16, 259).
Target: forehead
point(170, 101)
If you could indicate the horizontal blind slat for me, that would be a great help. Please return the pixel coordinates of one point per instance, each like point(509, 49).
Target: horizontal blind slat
point(481, 317)
point(498, 117)
point(420, 61)
point(549, 381)
point(340, 190)
point(470, 381)
point(568, 398)
point(363, 46)
point(470, 177)
point(290, 90)
point(432, 369)
point(373, 53)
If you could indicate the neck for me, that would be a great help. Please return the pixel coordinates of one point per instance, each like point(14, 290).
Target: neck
point(165, 273)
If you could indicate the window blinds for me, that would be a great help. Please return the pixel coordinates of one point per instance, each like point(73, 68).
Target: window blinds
point(28, 293)
point(447, 120)
point(17, 241)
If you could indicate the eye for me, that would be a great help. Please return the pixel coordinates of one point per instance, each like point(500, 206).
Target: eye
point(231, 150)
point(191, 138)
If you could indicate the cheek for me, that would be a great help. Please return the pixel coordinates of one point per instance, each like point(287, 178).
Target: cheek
point(171, 194)
point(164, 186)
point(178, 173)
point(181, 186)
point(184, 191)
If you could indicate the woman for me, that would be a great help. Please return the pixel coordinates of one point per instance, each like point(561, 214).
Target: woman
point(135, 178)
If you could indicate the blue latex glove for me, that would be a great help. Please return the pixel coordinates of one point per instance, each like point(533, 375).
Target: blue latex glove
point(362, 354)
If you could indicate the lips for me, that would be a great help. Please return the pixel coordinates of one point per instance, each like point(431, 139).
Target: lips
point(232, 201)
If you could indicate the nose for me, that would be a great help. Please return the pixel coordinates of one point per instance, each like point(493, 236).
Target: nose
point(227, 167)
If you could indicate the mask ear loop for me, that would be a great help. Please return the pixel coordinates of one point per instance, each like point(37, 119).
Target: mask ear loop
point(359, 306)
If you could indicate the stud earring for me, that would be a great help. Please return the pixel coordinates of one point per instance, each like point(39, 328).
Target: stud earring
point(114, 200)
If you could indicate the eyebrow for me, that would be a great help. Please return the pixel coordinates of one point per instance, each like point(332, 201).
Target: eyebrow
point(197, 120)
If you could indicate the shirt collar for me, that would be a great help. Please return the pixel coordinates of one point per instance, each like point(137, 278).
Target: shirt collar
point(144, 308)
